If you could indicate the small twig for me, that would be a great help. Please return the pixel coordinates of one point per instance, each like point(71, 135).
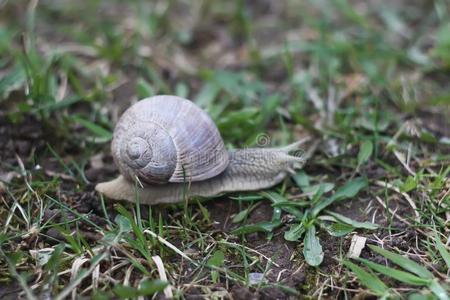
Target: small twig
point(404, 161)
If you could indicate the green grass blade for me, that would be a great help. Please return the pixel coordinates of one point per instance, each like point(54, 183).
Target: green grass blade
point(338, 229)
point(369, 280)
point(349, 190)
point(146, 288)
point(266, 226)
point(404, 262)
point(442, 250)
point(356, 224)
point(438, 290)
point(216, 260)
point(295, 232)
point(94, 128)
point(402, 276)
point(150, 287)
point(277, 198)
point(365, 151)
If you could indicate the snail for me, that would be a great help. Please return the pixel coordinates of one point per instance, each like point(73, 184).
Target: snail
point(167, 148)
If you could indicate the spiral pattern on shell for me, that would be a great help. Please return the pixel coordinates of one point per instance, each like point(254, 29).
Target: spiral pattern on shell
point(168, 139)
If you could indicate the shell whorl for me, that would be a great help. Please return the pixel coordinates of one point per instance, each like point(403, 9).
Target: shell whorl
point(168, 139)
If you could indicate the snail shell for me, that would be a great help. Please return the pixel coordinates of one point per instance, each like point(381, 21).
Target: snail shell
point(168, 139)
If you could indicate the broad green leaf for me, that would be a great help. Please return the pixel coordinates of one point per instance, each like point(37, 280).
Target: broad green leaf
point(356, 224)
point(258, 227)
point(313, 189)
point(370, 280)
point(418, 296)
point(277, 198)
point(150, 287)
point(349, 190)
point(144, 89)
point(124, 292)
point(403, 262)
point(312, 250)
point(124, 223)
point(146, 288)
point(216, 260)
point(239, 217)
point(402, 276)
point(442, 250)
point(365, 151)
point(301, 179)
point(295, 232)
point(318, 195)
point(339, 229)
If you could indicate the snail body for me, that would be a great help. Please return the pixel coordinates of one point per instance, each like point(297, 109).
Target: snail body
point(166, 148)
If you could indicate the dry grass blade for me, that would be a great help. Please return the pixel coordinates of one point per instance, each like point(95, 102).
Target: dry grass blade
point(405, 195)
point(77, 263)
point(162, 275)
point(170, 246)
point(77, 280)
